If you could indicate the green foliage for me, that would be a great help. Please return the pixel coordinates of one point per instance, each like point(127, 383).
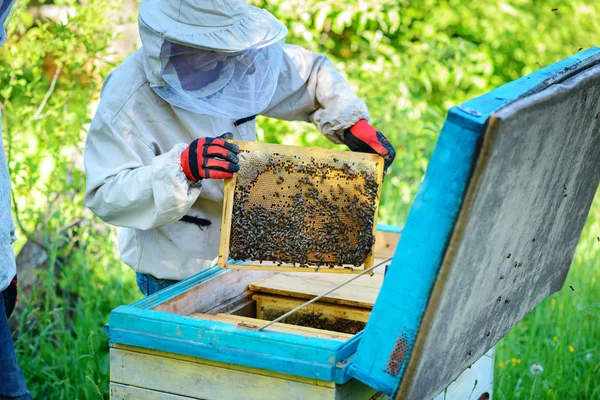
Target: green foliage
point(410, 61)
point(50, 74)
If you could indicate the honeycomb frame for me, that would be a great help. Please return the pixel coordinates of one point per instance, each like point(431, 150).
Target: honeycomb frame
point(325, 175)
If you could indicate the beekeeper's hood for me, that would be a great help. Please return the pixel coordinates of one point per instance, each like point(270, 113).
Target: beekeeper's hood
point(215, 57)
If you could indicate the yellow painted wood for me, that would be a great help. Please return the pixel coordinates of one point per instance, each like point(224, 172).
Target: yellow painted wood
point(206, 382)
point(273, 267)
point(228, 191)
point(126, 392)
point(279, 327)
point(327, 310)
point(310, 152)
point(385, 244)
point(372, 255)
point(234, 367)
point(361, 293)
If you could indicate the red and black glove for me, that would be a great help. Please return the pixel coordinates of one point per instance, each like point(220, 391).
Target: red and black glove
point(10, 297)
point(210, 158)
point(364, 138)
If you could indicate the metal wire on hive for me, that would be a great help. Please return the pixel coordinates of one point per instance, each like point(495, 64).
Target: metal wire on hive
point(298, 207)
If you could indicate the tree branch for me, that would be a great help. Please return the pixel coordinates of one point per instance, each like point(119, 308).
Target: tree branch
point(37, 115)
point(28, 235)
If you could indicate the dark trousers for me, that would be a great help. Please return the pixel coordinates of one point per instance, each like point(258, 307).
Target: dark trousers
point(12, 383)
point(149, 284)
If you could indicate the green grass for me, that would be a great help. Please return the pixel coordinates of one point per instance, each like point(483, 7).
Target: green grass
point(562, 334)
point(60, 342)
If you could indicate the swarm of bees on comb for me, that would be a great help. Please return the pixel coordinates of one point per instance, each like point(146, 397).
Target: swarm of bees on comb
point(303, 211)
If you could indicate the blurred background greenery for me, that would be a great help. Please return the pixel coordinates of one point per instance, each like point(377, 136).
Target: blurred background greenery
point(410, 61)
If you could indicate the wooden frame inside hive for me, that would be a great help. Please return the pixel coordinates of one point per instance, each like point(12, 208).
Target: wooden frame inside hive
point(301, 209)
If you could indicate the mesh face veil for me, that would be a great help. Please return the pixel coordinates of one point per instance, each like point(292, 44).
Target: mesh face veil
point(220, 84)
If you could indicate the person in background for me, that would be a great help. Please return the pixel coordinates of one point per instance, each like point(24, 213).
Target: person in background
point(156, 151)
point(12, 382)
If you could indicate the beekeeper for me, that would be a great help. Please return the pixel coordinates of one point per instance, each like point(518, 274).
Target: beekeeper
point(155, 155)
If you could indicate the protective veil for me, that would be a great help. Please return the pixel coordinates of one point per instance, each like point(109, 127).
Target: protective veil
point(218, 84)
point(204, 65)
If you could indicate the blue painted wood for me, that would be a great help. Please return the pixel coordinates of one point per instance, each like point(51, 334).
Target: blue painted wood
point(389, 228)
point(180, 287)
point(218, 341)
point(344, 357)
point(390, 334)
point(183, 286)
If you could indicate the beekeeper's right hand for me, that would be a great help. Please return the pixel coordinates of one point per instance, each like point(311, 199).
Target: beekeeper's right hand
point(210, 158)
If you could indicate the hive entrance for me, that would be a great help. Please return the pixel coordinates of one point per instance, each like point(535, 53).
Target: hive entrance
point(294, 207)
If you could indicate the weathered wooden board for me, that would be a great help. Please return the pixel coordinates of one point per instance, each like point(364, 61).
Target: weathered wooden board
point(277, 327)
point(168, 376)
point(126, 392)
point(519, 182)
point(212, 293)
point(274, 199)
point(385, 244)
point(361, 293)
point(527, 202)
point(231, 366)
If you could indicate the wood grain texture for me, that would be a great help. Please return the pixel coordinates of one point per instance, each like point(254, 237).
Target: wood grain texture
point(271, 266)
point(309, 151)
point(211, 293)
point(207, 382)
point(228, 192)
point(371, 257)
point(127, 392)
point(361, 293)
point(513, 244)
point(327, 310)
point(331, 317)
point(283, 352)
point(234, 367)
point(385, 244)
point(153, 374)
point(277, 327)
point(389, 338)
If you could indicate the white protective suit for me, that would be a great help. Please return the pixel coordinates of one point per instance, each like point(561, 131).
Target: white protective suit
point(132, 154)
point(7, 226)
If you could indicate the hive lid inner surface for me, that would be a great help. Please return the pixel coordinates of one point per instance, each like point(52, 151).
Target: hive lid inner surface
point(298, 208)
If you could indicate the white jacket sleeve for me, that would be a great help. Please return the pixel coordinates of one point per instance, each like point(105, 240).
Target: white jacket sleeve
point(7, 227)
point(311, 89)
point(129, 185)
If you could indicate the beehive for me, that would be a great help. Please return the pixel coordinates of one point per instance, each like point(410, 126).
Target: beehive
point(303, 209)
